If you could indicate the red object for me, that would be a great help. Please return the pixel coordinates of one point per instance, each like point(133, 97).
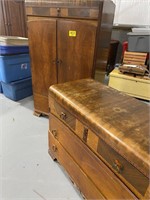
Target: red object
point(125, 47)
point(148, 55)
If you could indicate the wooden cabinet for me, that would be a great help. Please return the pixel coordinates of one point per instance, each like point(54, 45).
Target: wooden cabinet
point(100, 137)
point(58, 58)
point(43, 57)
point(65, 40)
point(12, 18)
point(2, 23)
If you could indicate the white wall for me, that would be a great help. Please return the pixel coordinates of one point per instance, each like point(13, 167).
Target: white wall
point(132, 12)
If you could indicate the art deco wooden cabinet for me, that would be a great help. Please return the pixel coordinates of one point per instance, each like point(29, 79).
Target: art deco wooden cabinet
point(66, 40)
point(12, 18)
point(101, 138)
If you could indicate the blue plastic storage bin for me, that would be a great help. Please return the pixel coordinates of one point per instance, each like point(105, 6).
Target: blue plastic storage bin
point(1, 91)
point(18, 90)
point(7, 50)
point(0, 85)
point(14, 67)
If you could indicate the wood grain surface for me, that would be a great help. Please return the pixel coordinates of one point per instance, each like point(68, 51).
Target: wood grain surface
point(102, 177)
point(120, 120)
point(66, 39)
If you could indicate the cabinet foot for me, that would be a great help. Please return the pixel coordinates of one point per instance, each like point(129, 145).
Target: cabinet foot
point(39, 114)
point(52, 155)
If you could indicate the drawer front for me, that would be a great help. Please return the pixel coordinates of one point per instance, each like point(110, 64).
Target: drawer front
point(87, 136)
point(85, 185)
point(126, 171)
point(91, 13)
point(105, 180)
point(60, 112)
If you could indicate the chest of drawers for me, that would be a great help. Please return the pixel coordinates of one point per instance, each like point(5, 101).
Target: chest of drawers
point(101, 138)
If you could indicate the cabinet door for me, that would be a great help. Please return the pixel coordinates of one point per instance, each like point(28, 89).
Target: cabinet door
point(13, 20)
point(42, 44)
point(3, 21)
point(15, 17)
point(75, 49)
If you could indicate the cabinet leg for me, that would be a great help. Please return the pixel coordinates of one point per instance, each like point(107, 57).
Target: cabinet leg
point(52, 155)
point(37, 114)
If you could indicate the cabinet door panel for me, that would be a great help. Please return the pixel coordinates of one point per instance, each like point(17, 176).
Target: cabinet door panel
point(3, 18)
point(16, 17)
point(3, 27)
point(75, 45)
point(42, 42)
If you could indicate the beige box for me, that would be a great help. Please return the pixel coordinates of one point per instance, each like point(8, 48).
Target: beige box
point(135, 86)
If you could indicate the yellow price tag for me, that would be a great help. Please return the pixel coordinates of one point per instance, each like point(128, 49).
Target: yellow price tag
point(72, 33)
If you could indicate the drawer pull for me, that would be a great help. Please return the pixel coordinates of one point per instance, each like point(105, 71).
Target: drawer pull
point(54, 132)
point(118, 166)
point(63, 116)
point(54, 148)
point(58, 11)
point(85, 134)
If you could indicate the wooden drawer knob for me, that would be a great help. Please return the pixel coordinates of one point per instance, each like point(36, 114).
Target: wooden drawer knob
point(85, 134)
point(54, 148)
point(54, 132)
point(63, 116)
point(118, 166)
point(58, 11)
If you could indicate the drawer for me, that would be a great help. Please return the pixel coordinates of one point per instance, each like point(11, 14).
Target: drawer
point(60, 112)
point(91, 13)
point(135, 180)
point(103, 178)
point(83, 183)
point(87, 136)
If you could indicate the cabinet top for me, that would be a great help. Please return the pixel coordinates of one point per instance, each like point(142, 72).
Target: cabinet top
point(89, 3)
point(87, 9)
point(120, 120)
